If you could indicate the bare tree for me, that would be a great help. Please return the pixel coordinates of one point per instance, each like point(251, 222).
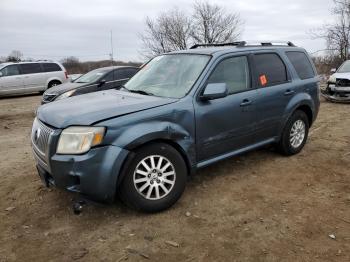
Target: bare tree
point(212, 24)
point(337, 34)
point(175, 30)
point(169, 32)
point(15, 56)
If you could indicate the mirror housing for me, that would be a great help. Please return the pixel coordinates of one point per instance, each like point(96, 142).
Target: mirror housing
point(214, 91)
point(333, 70)
point(0, 74)
point(102, 82)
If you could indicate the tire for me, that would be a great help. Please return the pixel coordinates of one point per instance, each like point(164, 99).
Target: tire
point(298, 124)
point(136, 194)
point(53, 83)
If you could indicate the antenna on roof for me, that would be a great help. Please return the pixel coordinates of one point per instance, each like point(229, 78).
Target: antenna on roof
point(112, 48)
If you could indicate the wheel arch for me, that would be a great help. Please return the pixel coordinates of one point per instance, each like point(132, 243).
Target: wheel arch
point(52, 79)
point(132, 149)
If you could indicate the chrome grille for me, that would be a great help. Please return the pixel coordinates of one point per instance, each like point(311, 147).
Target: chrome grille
point(40, 136)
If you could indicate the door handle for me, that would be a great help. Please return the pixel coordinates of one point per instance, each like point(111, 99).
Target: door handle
point(289, 92)
point(246, 102)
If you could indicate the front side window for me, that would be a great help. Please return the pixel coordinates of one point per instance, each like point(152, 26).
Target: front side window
point(344, 68)
point(234, 72)
point(32, 68)
point(301, 64)
point(170, 75)
point(270, 69)
point(10, 70)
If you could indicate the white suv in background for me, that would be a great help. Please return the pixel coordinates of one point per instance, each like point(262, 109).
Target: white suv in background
point(30, 77)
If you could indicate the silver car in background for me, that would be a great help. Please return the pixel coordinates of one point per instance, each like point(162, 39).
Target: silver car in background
point(30, 77)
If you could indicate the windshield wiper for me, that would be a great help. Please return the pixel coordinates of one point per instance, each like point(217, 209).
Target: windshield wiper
point(141, 92)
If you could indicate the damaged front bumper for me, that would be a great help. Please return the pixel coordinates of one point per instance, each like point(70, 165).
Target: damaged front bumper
point(337, 92)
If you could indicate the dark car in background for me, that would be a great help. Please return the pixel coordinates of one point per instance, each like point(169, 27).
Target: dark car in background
point(93, 81)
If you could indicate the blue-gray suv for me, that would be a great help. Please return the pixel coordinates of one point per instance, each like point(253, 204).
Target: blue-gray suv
point(182, 111)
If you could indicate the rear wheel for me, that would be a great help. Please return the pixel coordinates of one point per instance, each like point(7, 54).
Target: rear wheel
point(294, 134)
point(53, 83)
point(155, 179)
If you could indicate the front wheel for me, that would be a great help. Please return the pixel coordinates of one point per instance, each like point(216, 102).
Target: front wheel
point(294, 134)
point(155, 179)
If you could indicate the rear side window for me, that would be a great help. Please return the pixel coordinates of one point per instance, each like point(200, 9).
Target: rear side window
point(125, 73)
point(301, 64)
point(51, 67)
point(130, 72)
point(270, 69)
point(30, 68)
point(234, 72)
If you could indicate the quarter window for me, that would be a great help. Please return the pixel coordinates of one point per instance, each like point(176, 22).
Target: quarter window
point(270, 69)
point(51, 67)
point(30, 68)
point(10, 70)
point(301, 64)
point(234, 72)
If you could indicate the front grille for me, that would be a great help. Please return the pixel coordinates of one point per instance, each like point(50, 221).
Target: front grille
point(40, 136)
point(49, 97)
point(343, 82)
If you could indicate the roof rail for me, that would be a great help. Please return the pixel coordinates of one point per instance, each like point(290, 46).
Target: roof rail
point(239, 43)
point(244, 43)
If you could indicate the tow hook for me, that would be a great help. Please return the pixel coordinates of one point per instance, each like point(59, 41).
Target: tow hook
point(78, 206)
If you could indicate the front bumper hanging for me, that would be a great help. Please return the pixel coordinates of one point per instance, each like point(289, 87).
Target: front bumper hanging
point(337, 92)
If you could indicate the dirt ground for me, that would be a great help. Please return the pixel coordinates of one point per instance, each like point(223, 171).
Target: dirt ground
point(256, 207)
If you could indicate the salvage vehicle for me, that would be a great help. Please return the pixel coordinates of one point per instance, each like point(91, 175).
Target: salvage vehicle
point(338, 86)
point(182, 111)
point(30, 77)
point(96, 80)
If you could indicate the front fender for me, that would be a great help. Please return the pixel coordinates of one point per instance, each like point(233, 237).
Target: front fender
point(139, 134)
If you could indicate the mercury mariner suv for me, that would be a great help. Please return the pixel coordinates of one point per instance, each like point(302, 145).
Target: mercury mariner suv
point(182, 111)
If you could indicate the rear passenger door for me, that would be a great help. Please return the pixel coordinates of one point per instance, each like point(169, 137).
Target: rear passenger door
point(274, 92)
point(34, 79)
point(226, 124)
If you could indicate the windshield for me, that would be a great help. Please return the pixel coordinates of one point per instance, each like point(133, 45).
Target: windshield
point(345, 67)
point(91, 76)
point(168, 75)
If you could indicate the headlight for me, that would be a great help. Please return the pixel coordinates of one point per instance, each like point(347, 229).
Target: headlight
point(65, 95)
point(332, 79)
point(79, 139)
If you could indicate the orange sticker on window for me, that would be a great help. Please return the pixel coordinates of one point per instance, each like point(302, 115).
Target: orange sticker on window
point(263, 80)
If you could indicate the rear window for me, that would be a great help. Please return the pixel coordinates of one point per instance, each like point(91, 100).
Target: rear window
point(51, 67)
point(30, 68)
point(301, 64)
point(270, 69)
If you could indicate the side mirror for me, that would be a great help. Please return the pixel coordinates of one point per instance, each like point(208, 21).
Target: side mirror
point(333, 70)
point(0, 74)
point(102, 82)
point(214, 91)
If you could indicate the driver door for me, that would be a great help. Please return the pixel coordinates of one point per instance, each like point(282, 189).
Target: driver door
point(227, 124)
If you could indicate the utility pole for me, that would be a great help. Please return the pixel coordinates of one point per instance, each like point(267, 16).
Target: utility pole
point(112, 48)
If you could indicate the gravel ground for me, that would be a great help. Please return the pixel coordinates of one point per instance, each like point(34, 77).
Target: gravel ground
point(257, 207)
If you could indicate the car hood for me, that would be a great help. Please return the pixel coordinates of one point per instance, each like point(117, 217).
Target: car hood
point(95, 107)
point(342, 75)
point(60, 89)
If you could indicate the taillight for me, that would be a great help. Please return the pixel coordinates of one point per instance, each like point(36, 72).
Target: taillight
point(65, 73)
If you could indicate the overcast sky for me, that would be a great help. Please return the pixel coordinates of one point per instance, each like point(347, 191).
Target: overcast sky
point(50, 29)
